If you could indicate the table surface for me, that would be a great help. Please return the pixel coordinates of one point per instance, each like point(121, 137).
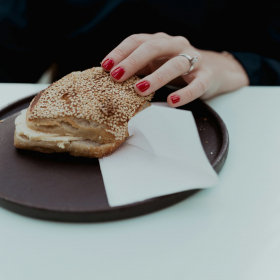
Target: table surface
point(231, 231)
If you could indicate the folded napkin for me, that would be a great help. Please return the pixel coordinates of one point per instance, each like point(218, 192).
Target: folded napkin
point(163, 155)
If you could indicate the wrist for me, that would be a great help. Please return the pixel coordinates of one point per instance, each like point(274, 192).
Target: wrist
point(235, 75)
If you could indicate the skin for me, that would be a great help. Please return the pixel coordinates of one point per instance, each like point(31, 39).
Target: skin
point(155, 56)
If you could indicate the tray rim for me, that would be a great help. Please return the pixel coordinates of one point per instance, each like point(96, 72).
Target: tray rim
point(12, 204)
point(225, 134)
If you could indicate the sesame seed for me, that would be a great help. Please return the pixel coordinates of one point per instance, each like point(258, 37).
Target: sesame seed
point(92, 95)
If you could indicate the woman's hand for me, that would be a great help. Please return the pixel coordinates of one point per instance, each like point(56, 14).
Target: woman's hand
point(157, 57)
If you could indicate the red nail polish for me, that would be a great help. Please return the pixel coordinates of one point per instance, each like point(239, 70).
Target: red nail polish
point(117, 73)
point(143, 86)
point(108, 64)
point(175, 98)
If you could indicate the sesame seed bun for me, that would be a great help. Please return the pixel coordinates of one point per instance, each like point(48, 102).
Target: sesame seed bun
point(88, 105)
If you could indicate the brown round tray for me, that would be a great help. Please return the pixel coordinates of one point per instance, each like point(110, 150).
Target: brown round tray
point(65, 188)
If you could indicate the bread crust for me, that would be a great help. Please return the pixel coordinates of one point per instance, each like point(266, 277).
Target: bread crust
point(90, 97)
point(77, 127)
point(74, 148)
point(86, 104)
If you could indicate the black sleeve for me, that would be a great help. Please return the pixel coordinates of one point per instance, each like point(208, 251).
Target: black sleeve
point(263, 66)
point(17, 66)
point(262, 71)
point(23, 55)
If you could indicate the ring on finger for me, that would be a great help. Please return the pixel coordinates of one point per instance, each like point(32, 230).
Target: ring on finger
point(192, 61)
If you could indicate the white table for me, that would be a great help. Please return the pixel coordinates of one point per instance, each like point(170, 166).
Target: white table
point(229, 232)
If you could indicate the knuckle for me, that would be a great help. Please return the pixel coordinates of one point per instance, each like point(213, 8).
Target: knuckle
point(153, 46)
point(133, 60)
point(202, 84)
point(189, 94)
point(136, 38)
point(182, 40)
point(162, 34)
point(119, 52)
point(179, 65)
point(158, 77)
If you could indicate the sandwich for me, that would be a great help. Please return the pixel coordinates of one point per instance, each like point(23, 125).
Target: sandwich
point(84, 113)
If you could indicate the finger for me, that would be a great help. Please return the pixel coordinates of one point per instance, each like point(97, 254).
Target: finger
point(123, 50)
point(172, 69)
point(126, 47)
point(144, 71)
point(151, 67)
point(194, 90)
point(143, 55)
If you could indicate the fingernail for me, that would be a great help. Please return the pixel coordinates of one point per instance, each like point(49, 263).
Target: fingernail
point(175, 98)
point(143, 86)
point(108, 64)
point(117, 73)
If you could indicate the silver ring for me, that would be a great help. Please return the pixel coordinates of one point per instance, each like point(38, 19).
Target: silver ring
point(192, 61)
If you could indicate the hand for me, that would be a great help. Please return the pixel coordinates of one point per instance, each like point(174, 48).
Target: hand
point(157, 57)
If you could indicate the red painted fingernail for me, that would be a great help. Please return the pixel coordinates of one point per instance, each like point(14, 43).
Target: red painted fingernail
point(108, 64)
point(175, 98)
point(117, 73)
point(143, 86)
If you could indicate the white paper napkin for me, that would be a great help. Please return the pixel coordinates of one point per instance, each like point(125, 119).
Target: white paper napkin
point(163, 155)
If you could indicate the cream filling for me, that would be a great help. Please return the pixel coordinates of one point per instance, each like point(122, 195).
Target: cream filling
point(23, 129)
